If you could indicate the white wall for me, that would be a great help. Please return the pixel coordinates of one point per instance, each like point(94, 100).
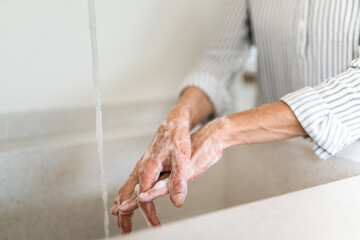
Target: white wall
point(146, 48)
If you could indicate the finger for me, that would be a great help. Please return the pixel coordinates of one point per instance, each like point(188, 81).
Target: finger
point(160, 189)
point(124, 222)
point(148, 210)
point(149, 213)
point(178, 178)
point(149, 174)
point(126, 191)
point(114, 210)
point(128, 205)
point(125, 208)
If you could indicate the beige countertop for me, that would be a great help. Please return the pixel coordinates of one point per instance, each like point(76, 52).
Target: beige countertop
point(329, 211)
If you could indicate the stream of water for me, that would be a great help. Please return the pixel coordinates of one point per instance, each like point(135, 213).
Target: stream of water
point(99, 129)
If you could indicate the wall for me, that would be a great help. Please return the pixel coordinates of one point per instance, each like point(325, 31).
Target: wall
point(146, 48)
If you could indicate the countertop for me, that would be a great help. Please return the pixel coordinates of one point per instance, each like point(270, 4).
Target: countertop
point(329, 211)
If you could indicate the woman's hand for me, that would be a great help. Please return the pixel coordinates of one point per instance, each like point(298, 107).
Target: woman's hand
point(169, 149)
point(270, 122)
point(207, 145)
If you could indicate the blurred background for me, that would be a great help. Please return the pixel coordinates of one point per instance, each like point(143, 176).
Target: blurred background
point(146, 48)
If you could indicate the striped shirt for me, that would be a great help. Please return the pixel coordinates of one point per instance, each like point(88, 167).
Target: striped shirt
point(307, 49)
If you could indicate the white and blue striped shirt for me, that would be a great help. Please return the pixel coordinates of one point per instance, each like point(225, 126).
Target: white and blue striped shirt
point(310, 46)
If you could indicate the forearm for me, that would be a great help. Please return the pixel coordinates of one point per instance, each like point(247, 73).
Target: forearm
point(270, 122)
point(195, 104)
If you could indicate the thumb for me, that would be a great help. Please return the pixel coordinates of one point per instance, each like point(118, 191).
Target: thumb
point(160, 189)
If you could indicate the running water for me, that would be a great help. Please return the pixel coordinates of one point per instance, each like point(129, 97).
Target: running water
point(99, 132)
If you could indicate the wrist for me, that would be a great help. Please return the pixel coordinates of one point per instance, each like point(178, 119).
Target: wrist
point(197, 103)
point(223, 131)
point(230, 131)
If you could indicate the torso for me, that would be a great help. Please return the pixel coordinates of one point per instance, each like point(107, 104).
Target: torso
point(302, 42)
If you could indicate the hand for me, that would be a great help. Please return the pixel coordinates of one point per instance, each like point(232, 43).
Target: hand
point(270, 122)
point(207, 145)
point(169, 149)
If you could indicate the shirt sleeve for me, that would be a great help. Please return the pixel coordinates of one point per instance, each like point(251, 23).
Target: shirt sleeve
point(330, 111)
point(225, 55)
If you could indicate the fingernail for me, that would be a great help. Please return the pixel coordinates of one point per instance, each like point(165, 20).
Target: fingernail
point(178, 200)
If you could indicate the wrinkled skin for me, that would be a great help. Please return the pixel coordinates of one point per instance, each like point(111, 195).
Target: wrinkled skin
point(166, 166)
point(170, 149)
point(206, 148)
